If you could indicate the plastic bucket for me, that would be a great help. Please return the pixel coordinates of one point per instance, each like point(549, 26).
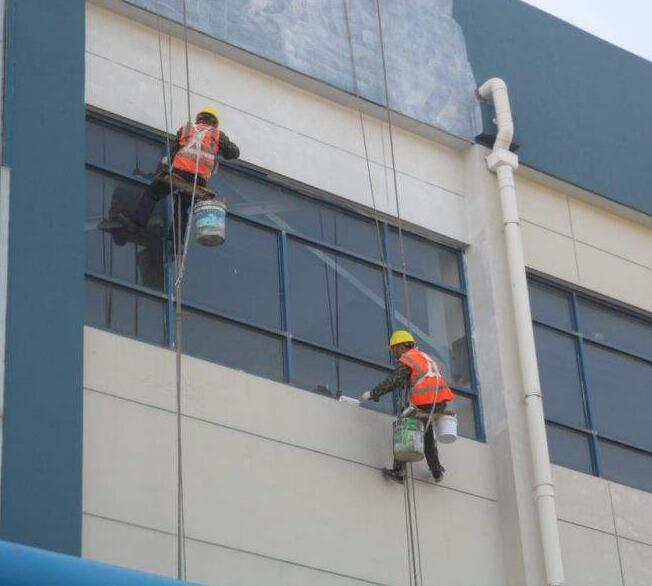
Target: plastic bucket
point(446, 428)
point(210, 222)
point(408, 439)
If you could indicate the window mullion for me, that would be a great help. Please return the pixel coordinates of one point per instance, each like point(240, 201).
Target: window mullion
point(586, 393)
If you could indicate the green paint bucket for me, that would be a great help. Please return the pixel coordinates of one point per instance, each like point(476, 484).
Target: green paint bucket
point(408, 439)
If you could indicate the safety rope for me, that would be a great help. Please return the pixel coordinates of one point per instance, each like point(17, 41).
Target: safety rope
point(413, 545)
point(179, 266)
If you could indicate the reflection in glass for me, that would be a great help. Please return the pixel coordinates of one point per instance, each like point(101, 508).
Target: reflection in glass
point(560, 376)
point(239, 278)
point(337, 302)
point(437, 321)
point(615, 328)
point(330, 375)
point(569, 448)
point(621, 395)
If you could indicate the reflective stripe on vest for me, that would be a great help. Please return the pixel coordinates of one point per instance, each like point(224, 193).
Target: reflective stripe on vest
point(427, 384)
point(198, 146)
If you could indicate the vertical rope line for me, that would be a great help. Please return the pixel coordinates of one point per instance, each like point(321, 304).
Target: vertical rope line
point(181, 530)
point(364, 141)
point(393, 158)
point(185, 40)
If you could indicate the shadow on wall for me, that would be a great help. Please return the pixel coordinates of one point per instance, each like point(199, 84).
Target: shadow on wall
point(429, 76)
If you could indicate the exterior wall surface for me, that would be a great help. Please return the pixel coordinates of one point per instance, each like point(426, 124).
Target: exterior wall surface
point(280, 484)
point(585, 245)
point(283, 485)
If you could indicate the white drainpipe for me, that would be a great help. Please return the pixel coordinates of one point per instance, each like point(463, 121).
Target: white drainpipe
point(503, 162)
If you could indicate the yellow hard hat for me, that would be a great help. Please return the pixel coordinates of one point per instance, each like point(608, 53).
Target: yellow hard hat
point(210, 111)
point(401, 337)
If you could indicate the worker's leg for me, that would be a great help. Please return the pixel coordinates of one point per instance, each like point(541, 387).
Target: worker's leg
point(432, 455)
point(430, 449)
point(147, 202)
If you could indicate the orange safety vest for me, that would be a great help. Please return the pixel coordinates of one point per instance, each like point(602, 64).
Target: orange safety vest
point(427, 384)
point(198, 147)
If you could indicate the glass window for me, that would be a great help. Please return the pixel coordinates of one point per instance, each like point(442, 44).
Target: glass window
point(464, 407)
point(125, 312)
point(239, 278)
point(560, 376)
point(595, 375)
point(233, 345)
point(299, 292)
point(621, 395)
point(550, 306)
point(626, 465)
point(437, 321)
point(284, 209)
point(424, 259)
point(569, 448)
point(337, 302)
point(331, 375)
point(615, 328)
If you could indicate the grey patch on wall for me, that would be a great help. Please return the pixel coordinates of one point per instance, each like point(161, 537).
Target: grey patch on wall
point(429, 76)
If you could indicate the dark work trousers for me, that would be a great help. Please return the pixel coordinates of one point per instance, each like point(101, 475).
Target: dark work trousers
point(429, 442)
point(158, 190)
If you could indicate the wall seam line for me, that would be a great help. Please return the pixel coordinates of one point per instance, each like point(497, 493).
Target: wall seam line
point(236, 549)
point(432, 484)
point(288, 129)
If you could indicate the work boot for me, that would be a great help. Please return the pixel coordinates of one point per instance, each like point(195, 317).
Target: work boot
point(397, 475)
point(438, 473)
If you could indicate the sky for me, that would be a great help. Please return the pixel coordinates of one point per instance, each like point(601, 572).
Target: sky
point(626, 23)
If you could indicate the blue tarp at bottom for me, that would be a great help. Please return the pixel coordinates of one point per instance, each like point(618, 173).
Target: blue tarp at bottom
point(27, 566)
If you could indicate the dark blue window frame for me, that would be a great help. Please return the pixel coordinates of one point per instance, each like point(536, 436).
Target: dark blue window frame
point(575, 331)
point(392, 277)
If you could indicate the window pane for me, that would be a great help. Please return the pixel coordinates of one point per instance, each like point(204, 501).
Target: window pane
point(569, 448)
point(239, 278)
point(465, 416)
point(560, 376)
point(616, 328)
point(151, 320)
point(627, 466)
point(438, 325)
point(337, 302)
point(233, 345)
point(621, 395)
point(424, 259)
point(285, 209)
point(122, 151)
point(140, 263)
point(125, 312)
point(550, 306)
point(330, 375)
point(95, 314)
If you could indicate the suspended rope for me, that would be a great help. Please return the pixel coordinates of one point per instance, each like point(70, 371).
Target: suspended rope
point(180, 251)
point(413, 545)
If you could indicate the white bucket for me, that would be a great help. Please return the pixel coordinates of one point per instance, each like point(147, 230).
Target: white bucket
point(446, 428)
point(210, 222)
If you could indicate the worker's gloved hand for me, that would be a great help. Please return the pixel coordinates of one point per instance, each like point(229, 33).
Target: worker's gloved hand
point(366, 396)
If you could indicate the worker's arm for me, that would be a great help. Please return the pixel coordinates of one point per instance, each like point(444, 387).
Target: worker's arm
point(228, 149)
point(398, 379)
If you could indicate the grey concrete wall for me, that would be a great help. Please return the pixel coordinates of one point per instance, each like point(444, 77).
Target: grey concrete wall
point(429, 76)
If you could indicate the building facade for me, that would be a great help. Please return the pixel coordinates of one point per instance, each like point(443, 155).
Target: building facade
point(341, 228)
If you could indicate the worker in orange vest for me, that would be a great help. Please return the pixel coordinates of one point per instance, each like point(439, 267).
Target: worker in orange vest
point(194, 159)
point(418, 373)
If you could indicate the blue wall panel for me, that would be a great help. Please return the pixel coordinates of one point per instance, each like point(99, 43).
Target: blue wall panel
point(581, 105)
point(44, 147)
